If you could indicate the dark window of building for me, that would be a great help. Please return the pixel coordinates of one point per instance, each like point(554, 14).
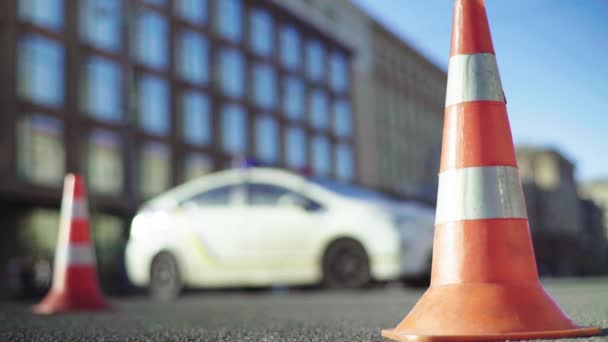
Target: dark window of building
point(338, 72)
point(154, 169)
point(290, 47)
point(104, 162)
point(295, 147)
point(320, 155)
point(194, 11)
point(151, 39)
point(344, 162)
point(196, 165)
point(41, 151)
point(43, 13)
point(153, 104)
point(318, 109)
point(40, 70)
point(234, 129)
point(160, 3)
point(267, 139)
point(315, 60)
point(264, 85)
point(101, 89)
point(261, 39)
point(100, 23)
point(228, 19)
point(231, 72)
point(293, 98)
point(342, 118)
point(196, 118)
point(192, 56)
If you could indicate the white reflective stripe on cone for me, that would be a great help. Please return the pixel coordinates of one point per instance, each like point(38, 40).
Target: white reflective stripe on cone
point(75, 254)
point(80, 209)
point(473, 78)
point(476, 193)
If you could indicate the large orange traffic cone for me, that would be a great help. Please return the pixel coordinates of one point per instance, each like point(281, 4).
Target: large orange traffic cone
point(75, 285)
point(484, 282)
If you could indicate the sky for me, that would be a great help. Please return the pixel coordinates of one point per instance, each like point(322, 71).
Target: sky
point(553, 62)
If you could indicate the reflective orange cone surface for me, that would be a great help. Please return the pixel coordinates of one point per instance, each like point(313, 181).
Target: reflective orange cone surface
point(484, 281)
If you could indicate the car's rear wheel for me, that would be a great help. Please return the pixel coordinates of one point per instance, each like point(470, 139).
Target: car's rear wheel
point(345, 265)
point(165, 280)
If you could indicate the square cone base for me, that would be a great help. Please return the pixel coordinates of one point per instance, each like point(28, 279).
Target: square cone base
point(61, 303)
point(486, 312)
point(579, 332)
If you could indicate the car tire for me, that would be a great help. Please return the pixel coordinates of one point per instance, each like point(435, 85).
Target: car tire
point(165, 280)
point(345, 265)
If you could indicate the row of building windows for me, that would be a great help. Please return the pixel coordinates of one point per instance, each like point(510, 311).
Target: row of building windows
point(101, 23)
point(41, 154)
point(41, 75)
point(261, 66)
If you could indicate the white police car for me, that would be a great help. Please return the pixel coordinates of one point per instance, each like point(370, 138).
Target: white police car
point(263, 226)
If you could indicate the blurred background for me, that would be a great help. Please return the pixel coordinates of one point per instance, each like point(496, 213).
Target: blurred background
point(142, 95)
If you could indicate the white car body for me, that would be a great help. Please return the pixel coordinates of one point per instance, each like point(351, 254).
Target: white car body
point(243, 245)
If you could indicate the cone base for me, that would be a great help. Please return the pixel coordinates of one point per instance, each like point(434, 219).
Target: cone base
point(61, 302)
point(486, 312)
point(579, 332)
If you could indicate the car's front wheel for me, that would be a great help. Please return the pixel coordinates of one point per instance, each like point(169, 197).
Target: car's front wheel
point(345, 265)
point(165, 280)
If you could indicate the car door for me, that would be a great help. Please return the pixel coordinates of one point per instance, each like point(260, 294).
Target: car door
point(281, 223)
point(213, 218)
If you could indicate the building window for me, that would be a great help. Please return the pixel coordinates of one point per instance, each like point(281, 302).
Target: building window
point(41, 151)
point(44, 13)
point(290, 47)
point(293, 98)
point(102, 89)
point(344, 162)
point(261, 32)
point(295, 147)
point(100, 23)
point(194, 11)
point(318, 109)
point(40, 70)
point(338, 72)
point(320, 155)
point(196, 165)
point(315, 60)
point(154, 169)
point(151, 45)
point(234, 129)
point(196, 118)
point(153, 105)
point(231, 72)
point(229, 19)
point(160, 3)
point(104, 163)
point(267, 139)
point(192, 57)
point(264, 86)
point(342, 119)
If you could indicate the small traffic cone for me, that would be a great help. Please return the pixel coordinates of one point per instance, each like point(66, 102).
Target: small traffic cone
point(75, 285)
point(484, 281)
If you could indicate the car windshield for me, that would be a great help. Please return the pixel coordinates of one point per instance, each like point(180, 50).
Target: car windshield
point(350, 190)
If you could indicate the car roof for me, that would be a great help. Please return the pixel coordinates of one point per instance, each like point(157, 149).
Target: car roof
point(226, 177)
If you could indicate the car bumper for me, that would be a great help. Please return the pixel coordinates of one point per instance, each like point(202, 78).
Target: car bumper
point(385, 267)
point(137, 264)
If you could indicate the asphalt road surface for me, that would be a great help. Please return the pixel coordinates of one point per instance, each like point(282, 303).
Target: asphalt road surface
point(311, 315)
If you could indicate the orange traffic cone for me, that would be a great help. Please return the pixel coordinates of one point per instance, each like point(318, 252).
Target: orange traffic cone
point(75, 285)
point(484, 282)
